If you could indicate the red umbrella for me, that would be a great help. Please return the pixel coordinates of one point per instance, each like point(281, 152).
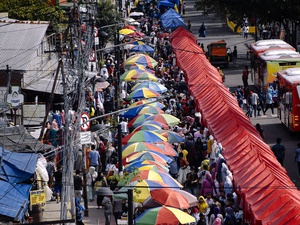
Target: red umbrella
point(130, 27)
point(169, 197)
point(137, 34)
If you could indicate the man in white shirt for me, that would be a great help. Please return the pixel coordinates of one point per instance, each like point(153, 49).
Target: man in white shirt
point(254, 102)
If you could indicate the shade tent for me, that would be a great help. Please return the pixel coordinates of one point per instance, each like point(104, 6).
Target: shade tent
point(170, 14)
point(172, 19)
point(165, 3)
point(262, 184)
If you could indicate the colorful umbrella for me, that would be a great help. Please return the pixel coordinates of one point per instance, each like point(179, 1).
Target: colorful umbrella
point(147, 155)
point(130, 27)
point(158, 176)
point(172, 137)
point(164, 118)
point(102, 85)
point(138, 43)
point(143, 136)
point(137, 34)
point(167, 147)
point(162, 125)
point(144, 76)
point(142, 189)
point(144, 146)
point(143, 101)
point(139, 66)
point(142, 59)
point(142, 93)
point(138, 119)
point(147, 127)
point(159, 88)
point(169, 197)
point(126, 31)
point(142, 48)
point(146, 165)
point(192, 199)
point(164, 215)
point(127, 76)
point(132, 112)
point(150, 109)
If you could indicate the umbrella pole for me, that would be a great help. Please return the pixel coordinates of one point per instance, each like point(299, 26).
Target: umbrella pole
point(130, 207)
point(120, 166)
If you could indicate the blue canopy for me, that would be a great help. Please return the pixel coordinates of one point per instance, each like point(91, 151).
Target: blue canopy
point(172, 19)
point(170, 14)
point(142, 48)
point(165, 3)
point(14, 170)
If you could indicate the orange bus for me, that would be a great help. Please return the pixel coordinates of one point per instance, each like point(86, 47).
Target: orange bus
point(289, 98)
point(270, 62)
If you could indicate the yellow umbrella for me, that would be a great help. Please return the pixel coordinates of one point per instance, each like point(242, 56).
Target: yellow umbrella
point(126, 31)
point(132, 75)
point(142, 59)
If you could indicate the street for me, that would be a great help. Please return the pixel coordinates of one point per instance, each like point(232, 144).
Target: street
point(218, 30)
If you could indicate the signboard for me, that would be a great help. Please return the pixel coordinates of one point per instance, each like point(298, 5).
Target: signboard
point(37, 197)
point(85, 137)
point(84, 121)
point(15, 98)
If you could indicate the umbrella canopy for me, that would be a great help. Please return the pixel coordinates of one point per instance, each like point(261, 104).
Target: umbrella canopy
point(192, 199)
point(161, 177)
point(172, 137)
point(142, 93)
point(142, 189)
point(164, 118)
point(127, 76)
point(138, 43)
point(140, 146)
point(162, 125)
point(146, 165)
point(144, 76)
point(138, 119)
point(142, 59)
point(137, 34)
point(126, 31)
point(139, 66)
point(150, 109)
point(159, 88)
point(167, 147)
point(143, 136)
point(169, 197)
point(102, 85)
point(104, 191)
point(147, 155)
point(142, 48)
point(130, 27)
point(136, 14)
point(164, 215)
point(147, 127)
point(143, 101)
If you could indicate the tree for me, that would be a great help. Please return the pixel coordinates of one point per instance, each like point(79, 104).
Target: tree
point(34, 10)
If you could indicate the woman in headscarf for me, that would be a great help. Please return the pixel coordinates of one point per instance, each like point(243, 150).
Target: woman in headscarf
point(202, 205)
point(90, 181)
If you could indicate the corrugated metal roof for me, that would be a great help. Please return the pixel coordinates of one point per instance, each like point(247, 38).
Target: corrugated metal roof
point(19, 42)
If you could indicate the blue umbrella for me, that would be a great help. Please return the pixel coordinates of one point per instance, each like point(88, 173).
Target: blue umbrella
point(142, 48)
point(154, 86)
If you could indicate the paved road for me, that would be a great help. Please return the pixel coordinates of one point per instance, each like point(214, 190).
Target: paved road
point(217, 30)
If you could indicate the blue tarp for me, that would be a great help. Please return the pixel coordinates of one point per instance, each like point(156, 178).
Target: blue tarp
point(172, 19)
point(14, 170)
point(165, 3)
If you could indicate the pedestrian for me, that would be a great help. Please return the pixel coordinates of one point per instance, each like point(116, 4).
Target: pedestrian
point(189, 25)
point(191, 182)
point(245, 76)
point(254, 102)
point(94, 158)
point(78, 182)
point(117, 209)
point(260, 130)
point(58, 182)
point(183, 8)
point(269, 100)
point(202, 30)
point(279, 151)
point(90, 181)
point(79, 211)
point(100, 182)
point(234, 56)
point(245, 31)
point(297, 157)
point(107, 204)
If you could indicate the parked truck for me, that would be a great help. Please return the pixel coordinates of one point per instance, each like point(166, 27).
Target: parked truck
point(218, 54)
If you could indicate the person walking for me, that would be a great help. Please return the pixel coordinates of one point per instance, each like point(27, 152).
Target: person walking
point(90, 181)
point(107, 204)
point(260, 130)
point(297, 157)
point(78, 182)
point(94, 158)
point(234, 56)
point(189, 25)
point(245, 76)
point(269, 100)
point(279, 151)
point(58, 182)
point(202, 30)
point(191, 182)
point(254, 102)
point(79, 211)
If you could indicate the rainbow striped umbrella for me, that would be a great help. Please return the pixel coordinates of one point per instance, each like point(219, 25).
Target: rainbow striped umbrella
point(142, 59)
point(159, 88)
point(138, 119)
point(142, 93)
point(128, 75)
point(143, 136)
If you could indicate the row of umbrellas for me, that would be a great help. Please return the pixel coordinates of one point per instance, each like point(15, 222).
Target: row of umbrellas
point(148, 150)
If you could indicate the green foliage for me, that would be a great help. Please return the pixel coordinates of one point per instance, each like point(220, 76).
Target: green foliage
point(34, 10)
